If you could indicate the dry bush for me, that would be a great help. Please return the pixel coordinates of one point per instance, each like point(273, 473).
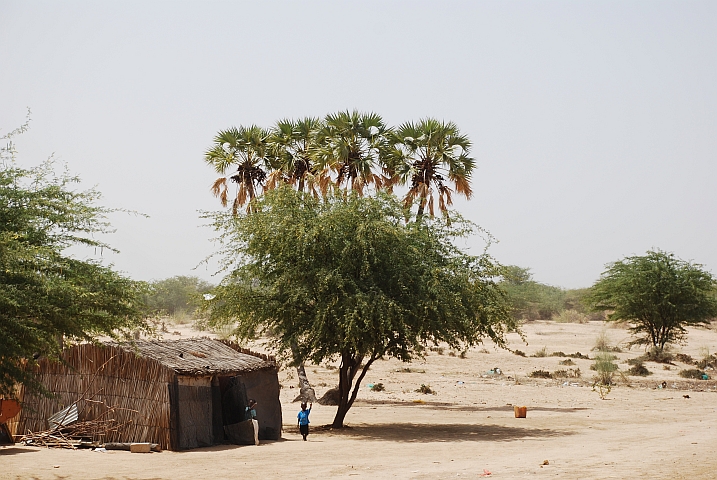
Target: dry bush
point(566, 362)
point(684, 358)
point(569, 373)
point(425, 389)
point(639, 369)
point(539, 374)
point(603, 344)
point(378, 387)
point(571, 316)
point(520, 353)
point(693, 373)
point(658, 356)
point(543, 352)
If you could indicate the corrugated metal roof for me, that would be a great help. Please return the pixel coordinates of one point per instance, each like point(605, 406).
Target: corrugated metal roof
point(197, 356)
point(64, 417)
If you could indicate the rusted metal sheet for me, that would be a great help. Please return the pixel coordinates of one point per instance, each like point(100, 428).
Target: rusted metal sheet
point(8, 409)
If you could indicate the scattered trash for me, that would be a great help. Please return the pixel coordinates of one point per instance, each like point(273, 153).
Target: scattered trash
point(485, 473)
point(520, 412)
point(460, 382)
point(100, 449)
point(55, 466)
point(685, 396)
point(545, 462)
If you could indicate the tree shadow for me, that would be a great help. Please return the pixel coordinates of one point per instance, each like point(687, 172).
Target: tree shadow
point(453, 407)
point(448, 432)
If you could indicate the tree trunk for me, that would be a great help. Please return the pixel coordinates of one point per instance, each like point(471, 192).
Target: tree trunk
point(350, 365)
point(306, 391)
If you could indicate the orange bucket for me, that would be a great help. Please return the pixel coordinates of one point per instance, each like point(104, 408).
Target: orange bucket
point(520, 412)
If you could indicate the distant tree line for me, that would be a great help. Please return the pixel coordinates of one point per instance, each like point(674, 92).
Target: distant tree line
point(531, 300)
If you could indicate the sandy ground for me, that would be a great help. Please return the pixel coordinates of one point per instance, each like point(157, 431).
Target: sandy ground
point(463, 431)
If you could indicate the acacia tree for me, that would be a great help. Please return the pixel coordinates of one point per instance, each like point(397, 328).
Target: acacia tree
point(47, 296)
point(658, 294)
point(346, 278)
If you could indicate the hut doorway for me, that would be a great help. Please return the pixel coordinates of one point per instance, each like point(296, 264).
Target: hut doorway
point(236, 427)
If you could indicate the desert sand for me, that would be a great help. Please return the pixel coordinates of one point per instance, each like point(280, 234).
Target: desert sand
point(465, 430)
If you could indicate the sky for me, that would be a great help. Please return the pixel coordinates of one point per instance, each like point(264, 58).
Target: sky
point(593, 123)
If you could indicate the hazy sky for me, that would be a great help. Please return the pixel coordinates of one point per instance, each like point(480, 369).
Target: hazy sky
point(594, 124)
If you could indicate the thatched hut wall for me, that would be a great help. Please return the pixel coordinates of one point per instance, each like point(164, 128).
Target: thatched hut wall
point(102, 377)
point(166, 392)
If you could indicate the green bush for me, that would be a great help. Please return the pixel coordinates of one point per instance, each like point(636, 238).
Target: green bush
point(605, 368)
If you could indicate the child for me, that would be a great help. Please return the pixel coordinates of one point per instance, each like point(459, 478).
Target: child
point(303, 417)
point(251, 414)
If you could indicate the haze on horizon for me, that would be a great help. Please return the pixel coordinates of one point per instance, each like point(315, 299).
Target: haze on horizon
point(593, 124)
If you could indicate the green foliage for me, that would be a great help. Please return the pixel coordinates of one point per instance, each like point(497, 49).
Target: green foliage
point(425, 389)
point(348, 150)
point(605, 367)
point(658, 295)
point(348, 278)
point(177, 295)
point(46, 295)
point(531, 300)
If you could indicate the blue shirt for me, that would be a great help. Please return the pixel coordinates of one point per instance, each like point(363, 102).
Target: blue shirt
point(303, 416)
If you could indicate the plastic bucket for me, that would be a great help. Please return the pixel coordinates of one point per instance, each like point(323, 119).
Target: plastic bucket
point(520, 412)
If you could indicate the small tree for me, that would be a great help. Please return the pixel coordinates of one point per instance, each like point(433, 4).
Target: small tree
point(46, 296)
point(347, 278)
point(177, 295)
point(658, 294)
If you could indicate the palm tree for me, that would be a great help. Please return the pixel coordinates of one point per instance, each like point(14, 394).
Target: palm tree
point(246, 149)
point(353, 145)
point(292, 145)
point(431, 156)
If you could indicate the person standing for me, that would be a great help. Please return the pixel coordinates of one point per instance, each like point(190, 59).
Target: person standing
point(251, 415)
point(303, 421)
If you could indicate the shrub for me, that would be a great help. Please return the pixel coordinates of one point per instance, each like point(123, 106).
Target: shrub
point(603, 344)
point(692, 373)
point(571, 316)
point(566, 362)
point(425, 389)
point(684, 358)
point(378, 387)
point(569, 373)
point(520, 353)
point(638, 369)
point(605, 368)
point(658, 355)
point(540, 374)
point(543, 352)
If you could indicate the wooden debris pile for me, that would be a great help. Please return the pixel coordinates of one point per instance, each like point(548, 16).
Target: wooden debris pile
point(80, 434)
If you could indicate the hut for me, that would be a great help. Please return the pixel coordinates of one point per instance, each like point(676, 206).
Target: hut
point(180, 394)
